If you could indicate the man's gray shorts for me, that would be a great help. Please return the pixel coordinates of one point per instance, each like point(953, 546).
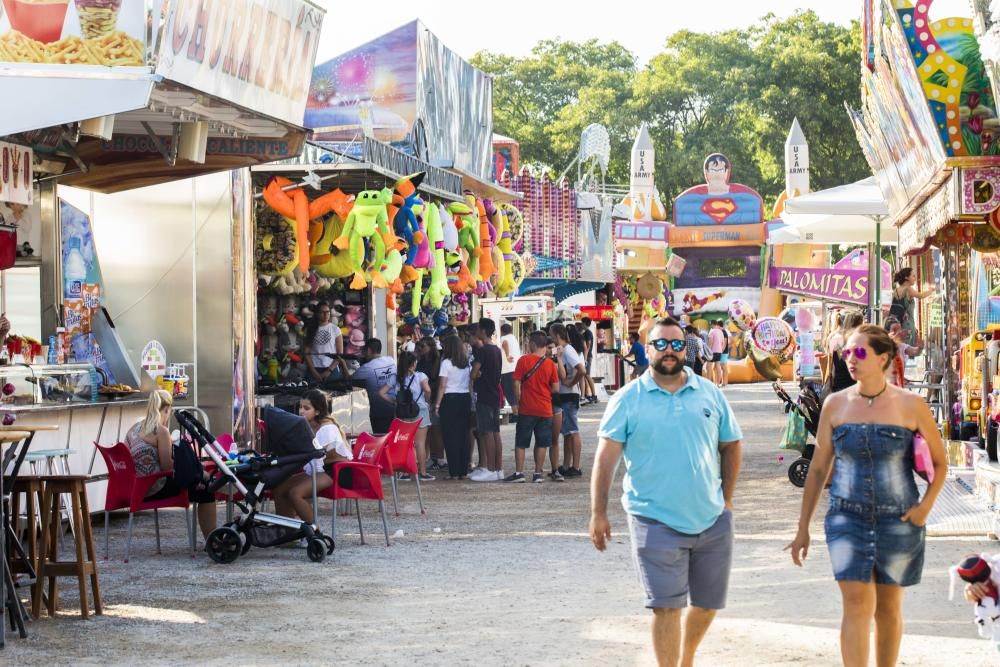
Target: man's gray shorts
point(675, 567)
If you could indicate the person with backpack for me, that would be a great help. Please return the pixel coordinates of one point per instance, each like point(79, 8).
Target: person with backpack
point(409, 394)
point(535, 380)
point(153, 452)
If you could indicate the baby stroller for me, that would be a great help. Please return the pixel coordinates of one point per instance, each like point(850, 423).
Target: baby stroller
point(808, 405)
point(290, 444)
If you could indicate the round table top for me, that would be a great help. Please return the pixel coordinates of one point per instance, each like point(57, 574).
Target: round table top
point(13, 436)
point(30, 429)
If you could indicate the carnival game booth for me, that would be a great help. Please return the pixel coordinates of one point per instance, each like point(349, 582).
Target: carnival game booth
point(928, 127)
point(351, 258)
point(119, 101)
point(419, 99)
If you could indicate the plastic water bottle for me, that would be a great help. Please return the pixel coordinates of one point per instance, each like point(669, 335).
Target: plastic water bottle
point(53, 357)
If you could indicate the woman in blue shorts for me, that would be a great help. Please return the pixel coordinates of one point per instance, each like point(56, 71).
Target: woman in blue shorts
point(875, 524)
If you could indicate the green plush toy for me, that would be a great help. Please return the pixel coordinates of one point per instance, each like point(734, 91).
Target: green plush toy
point(438, 289)
point(368, 220)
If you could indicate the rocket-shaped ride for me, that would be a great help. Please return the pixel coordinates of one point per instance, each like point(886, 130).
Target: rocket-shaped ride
point(643, 201)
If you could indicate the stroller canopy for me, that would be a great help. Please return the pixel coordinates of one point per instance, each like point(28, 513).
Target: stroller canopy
point(286, 433)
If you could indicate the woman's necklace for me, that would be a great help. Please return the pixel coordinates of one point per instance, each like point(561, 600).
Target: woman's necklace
point(871, 399)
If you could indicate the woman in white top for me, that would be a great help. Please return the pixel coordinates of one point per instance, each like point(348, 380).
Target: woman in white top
point(323, 341)
point(294, 495)
point(454, 405)
point(408, 378)
point(510, 351)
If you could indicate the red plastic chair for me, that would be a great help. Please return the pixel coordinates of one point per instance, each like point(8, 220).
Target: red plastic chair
point(402, 455)
point(366, 481)
point(128, 490)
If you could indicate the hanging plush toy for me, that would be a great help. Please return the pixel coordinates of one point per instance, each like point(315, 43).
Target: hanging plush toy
point(338, 265)
point(438, 289)
point(505, 283)
point(408, 205)
point(450, 229)
point(467, 224)
point(982, 569)
point(487, 237)
point(301, 213)
point(275, 247)
point(367, 224)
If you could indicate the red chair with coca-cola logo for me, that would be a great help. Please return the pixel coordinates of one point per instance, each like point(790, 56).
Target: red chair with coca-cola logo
point(360, 479)
point(128, 490)
point(402, 456)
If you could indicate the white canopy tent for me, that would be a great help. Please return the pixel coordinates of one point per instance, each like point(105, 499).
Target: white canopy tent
point(851, 213)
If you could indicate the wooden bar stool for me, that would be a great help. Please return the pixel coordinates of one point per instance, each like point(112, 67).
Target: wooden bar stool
point(24, 556)
point(49, 565)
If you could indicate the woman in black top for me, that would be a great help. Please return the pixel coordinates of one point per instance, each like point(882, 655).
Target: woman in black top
point(840, 377)
point(429, 363)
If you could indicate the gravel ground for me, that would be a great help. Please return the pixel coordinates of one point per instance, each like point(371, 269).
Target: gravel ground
point(509, 579)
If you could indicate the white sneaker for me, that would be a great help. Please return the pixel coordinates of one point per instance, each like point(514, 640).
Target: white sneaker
point(499, 476)
point(481, 475)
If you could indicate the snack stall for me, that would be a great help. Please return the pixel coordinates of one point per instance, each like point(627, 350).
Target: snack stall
point(126, 102)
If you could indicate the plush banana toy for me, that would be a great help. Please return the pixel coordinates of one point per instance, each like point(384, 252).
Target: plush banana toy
point(505, 283)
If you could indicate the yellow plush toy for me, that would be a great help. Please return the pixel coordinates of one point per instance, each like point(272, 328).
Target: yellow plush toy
point(505, 284)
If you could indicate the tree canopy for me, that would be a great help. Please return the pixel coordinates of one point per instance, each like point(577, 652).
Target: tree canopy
point(734, 92)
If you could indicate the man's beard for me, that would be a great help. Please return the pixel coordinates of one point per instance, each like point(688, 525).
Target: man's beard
point(661, 367)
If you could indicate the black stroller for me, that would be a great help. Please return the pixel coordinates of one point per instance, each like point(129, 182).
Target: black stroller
point(808, 405)
point(290, 446)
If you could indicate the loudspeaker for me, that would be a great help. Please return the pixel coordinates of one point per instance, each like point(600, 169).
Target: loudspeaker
point(101, 127)
point(193, 142)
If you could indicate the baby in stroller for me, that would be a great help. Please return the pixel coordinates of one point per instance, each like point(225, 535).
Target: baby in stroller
point(290, 446)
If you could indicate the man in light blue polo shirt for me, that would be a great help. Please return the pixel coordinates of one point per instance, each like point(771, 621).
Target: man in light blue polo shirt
point(681, 446)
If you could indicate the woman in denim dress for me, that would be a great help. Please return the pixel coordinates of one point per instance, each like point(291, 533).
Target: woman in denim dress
point(875, 524)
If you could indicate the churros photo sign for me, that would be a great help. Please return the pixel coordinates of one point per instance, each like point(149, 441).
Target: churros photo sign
point(106, 33)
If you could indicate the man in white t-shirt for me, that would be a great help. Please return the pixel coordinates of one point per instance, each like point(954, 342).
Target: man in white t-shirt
point(511, 351)
point(375, 373)
point(571, 369)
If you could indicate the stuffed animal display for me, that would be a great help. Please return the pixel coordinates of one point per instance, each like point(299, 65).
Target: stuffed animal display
point(428, 255)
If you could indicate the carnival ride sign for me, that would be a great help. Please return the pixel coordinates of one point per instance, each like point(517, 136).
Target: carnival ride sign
point(258, 54)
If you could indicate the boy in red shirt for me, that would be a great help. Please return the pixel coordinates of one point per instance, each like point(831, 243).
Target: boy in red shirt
point(535, 380)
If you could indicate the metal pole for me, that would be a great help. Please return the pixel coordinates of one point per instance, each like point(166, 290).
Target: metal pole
point(876, 263)
point(872, 283)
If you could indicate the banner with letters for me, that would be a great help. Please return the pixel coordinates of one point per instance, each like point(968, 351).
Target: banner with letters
point(257, 54)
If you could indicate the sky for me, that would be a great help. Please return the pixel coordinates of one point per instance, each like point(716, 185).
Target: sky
point(513, 27)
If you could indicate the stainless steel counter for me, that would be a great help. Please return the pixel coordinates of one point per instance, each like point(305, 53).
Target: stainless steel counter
point(82, 405)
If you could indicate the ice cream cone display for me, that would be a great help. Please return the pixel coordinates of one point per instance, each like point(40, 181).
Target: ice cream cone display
point(97, 17)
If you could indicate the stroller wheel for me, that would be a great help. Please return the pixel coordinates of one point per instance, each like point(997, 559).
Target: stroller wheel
point(330, 546)
point(798, 471)
point(243, 537)
point(224, 545)
point(316, 550)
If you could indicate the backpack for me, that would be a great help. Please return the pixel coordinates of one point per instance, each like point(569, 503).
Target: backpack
point(406, 406)
point(188, 470)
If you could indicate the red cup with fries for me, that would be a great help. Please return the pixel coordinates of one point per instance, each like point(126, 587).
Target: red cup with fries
point(41, 20)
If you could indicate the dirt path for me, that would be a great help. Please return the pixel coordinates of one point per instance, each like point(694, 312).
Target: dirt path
point(510, 579)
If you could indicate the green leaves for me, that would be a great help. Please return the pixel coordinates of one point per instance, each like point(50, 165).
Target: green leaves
point(735, 92)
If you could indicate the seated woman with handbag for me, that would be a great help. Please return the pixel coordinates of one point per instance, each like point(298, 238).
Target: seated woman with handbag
point(153, 452)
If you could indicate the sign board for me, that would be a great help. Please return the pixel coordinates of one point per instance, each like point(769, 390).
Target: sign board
point(257, 54)
point(16, 165)
point(154, 359)
point(85, 32)
point(843, 285)
point(702, 236)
